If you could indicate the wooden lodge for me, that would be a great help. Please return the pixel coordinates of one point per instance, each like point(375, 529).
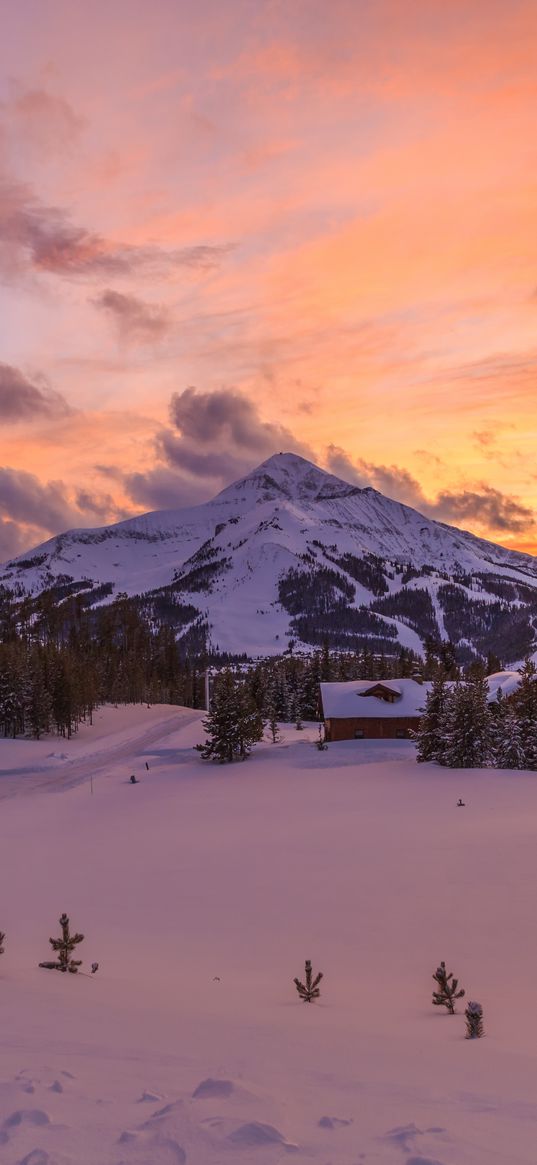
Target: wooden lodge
point(388, 709)
point(372, 710)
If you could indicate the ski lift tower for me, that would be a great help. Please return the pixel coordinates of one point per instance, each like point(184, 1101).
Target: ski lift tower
point(210, 673)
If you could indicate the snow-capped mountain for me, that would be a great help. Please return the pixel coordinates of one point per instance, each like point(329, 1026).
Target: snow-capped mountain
point(291, 551)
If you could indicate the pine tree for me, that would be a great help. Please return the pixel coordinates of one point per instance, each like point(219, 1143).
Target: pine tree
point(310, 989)
point(525, 705)
point(493, 663)
point(466, 729)
point(221, 723)
point(429, 739)
point(447, 989)
point(273, 727)
point(251, 724)
point(2, 940)
point(321, 742)
point(65, 947)
point(474, 1020)
point(233, 724)
point(507, 746)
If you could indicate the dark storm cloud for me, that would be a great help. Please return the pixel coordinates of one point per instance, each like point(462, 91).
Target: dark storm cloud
point(31, 511)
point(14, 539)
point(21, 400)
point(135, 320)
point(100, 507)
point(388, 479)
point(165, 489)
point(227, 415)
point(23, 498)
point(217, 438)
point(210, 462)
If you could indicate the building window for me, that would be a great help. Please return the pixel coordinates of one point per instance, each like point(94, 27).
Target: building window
point(400, 733)
point(358, 734)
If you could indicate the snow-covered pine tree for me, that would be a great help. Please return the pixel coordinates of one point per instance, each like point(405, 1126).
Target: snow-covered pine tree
point(233, 723)
point(310, 989)
point(271, 707)
point(474, 1020)
point(429, 735)
point(221, 722)
point(38, 698)
point(250, 725)
point(309, 688)
point(507, 745)
point(525, 705)
point(466, 727)
point(8, 705)
point(65, 947)
point(447, 989)
point(273, 727)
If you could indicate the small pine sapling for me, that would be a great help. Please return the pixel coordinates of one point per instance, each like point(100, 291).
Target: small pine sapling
point(474, 1020)
point(447, 992)
point(273, 727)
point(309, 990)
point(321, 742)
point(65, 947)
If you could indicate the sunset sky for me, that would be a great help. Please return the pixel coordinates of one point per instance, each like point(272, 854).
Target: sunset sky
point(232, 227)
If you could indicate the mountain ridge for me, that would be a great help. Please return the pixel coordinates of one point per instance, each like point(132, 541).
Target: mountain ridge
point(367, 568)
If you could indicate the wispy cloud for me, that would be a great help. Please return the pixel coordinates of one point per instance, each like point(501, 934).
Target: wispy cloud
point(41, 238)
point(24, 400)
point(481, 505)
point(135, 320)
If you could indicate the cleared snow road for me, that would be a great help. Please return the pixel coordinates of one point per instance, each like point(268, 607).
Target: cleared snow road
point(67, 773)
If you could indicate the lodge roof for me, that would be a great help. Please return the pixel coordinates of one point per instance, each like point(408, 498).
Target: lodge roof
point(363, 699)
point(358, 698)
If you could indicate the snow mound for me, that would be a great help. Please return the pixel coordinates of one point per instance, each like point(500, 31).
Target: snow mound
point(254, 1134)
point(209, 1088)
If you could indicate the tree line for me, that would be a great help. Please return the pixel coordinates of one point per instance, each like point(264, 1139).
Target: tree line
point(59, 660)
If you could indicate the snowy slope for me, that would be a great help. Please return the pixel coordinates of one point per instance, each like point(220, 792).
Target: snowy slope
point(226, 557)
point(201, 892)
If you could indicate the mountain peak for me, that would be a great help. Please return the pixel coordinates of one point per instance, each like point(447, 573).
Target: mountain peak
point(290, 476)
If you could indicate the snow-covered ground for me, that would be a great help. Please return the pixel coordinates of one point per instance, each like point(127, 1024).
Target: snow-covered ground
point(201, 891)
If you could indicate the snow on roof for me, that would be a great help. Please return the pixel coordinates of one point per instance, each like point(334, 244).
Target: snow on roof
point(388, 685)
point(352, 698)
point(349, 699)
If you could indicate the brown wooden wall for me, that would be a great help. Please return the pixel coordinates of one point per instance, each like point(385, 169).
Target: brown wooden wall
point(373, 727)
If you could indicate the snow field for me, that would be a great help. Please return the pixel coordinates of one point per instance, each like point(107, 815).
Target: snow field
point(201, 891)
